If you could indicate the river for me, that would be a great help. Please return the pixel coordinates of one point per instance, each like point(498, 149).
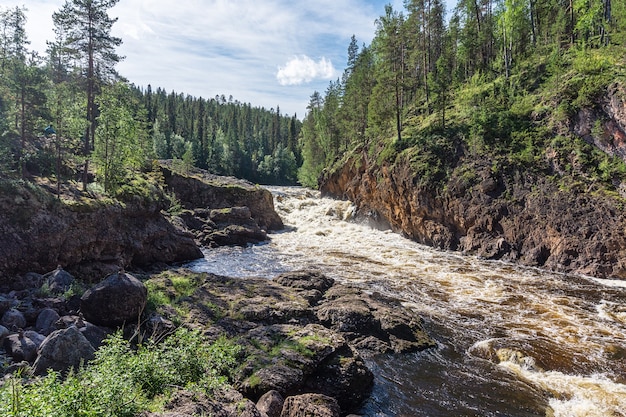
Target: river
point(512, 341)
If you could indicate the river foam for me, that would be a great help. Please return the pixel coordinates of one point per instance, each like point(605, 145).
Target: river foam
point(512, 341)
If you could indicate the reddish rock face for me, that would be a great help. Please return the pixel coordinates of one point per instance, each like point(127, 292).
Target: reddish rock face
point(516, 216)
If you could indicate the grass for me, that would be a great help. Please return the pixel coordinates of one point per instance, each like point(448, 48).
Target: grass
point(123, 381)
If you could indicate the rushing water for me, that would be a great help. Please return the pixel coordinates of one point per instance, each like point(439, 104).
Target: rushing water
point(512, 341)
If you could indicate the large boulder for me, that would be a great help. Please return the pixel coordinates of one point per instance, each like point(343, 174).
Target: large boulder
point(308, 405)
point(62, 350)
point(119, 299)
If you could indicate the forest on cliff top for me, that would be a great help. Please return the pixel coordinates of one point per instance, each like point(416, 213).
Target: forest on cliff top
point(500, 79)
point(103, 130)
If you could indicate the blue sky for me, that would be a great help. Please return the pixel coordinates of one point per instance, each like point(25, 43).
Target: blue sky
point(265, 52)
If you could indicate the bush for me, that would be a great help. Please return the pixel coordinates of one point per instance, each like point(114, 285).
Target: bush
point(122, 381)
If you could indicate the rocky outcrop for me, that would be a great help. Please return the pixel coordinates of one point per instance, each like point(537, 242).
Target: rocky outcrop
point(301, 332)
point(303, 337)
point(516, 216)
point(90, 237)
point(604, 125)
point(201, 189)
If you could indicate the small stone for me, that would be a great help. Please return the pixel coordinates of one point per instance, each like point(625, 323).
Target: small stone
point(311, 405)
point(59, 281)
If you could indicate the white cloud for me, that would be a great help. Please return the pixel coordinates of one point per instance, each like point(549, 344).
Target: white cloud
point(302, 69)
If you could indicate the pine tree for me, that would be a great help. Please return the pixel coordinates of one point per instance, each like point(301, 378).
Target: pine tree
point(87, 27)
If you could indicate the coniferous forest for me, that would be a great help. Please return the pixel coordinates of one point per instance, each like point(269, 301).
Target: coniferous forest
point(101, 124)
point(497, 75)
point(499, 79)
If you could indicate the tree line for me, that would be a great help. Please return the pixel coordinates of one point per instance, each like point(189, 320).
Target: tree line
point(419, 63)
point(68, 114)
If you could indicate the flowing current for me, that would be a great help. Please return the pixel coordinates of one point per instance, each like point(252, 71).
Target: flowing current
point(512, 341)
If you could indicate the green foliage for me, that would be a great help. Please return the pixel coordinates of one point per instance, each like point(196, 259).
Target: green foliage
point(118, 150)
point(123, 381)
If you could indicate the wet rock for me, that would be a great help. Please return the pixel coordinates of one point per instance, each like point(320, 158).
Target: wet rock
point(344, 377)
point(13, 319)
point(62, 350)
point(305, 280)
point(304, 359)
point(46, 320)
point(372, 322)
point(23, 346)
point(58, 281)
point(270, 404)
point(119, 299)
point(307, 405)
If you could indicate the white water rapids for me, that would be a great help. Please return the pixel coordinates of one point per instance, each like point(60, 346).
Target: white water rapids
point(512, 341)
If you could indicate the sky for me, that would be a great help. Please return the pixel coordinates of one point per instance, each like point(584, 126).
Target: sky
point(269, 53)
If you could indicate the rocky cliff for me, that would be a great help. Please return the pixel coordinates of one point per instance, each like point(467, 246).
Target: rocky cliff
point(543, 219)
point(88, 236)
point(92, 235)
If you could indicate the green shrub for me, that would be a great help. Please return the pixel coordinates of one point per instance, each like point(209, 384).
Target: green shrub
point(123, 381)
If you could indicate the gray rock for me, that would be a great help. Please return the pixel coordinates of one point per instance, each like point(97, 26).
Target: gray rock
point(4, 332)
point(13, 319)
point(307, 405)
point(119, 299)
point(45, 321)
point(23, 346)
point(271, 404)
point(62, 350)
point(59, 281)
point(5, 304)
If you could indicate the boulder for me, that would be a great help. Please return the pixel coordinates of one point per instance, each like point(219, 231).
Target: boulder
point(308, 405)
point(119, 299)
point(58, 281)
point(271, 404)
point(4, 332)
point(13, 319)
point(62, 350)
point(23, 346)
point(5, 304)
point(46, 320)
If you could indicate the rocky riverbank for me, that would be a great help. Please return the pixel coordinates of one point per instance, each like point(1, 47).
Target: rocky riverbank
point(520, 217)
point(302, 336)
point(161, 218)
